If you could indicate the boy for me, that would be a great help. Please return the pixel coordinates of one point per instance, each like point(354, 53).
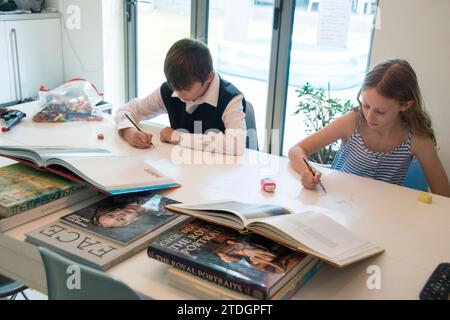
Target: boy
point(205, 111)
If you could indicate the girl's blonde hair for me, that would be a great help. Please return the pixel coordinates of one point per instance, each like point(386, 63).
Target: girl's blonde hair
point(396, 79)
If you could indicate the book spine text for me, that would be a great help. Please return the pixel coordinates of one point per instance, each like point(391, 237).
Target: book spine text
point(222, 279)
point(44, 199)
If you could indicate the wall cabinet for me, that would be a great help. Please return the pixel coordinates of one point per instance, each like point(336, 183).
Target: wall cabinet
point(30, 55)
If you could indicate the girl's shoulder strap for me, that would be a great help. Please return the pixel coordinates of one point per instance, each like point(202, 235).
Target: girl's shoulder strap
point(408, 141)
point(410, 134)
point(360, 119)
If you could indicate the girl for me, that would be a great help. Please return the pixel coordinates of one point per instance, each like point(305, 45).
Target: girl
point(380, 138)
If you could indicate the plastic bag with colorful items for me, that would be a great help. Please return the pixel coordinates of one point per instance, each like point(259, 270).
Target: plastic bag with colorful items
point(75, 100)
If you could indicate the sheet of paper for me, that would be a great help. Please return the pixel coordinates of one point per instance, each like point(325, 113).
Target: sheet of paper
point(334, 23)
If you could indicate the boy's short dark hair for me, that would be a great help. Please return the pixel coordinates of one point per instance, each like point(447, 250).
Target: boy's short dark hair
point(187, 61)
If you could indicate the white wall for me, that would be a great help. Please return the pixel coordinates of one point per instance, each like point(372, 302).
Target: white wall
point(113, 52)
point(95, 49)
point(419, 31)
point(83, 45)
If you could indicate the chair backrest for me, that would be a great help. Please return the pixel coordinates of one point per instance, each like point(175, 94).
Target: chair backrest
point(415, 178)
point(335, 159)
point(252, 136)
point(69, 280)
point(9, 287)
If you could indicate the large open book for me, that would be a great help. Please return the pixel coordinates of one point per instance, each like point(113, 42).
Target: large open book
point(309, 231)
point(97, 168)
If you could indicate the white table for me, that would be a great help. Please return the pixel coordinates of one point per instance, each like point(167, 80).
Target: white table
point(416, 236)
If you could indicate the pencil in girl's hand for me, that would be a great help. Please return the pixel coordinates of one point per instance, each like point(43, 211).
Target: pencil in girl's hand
point(312, 171)
point(137, 127)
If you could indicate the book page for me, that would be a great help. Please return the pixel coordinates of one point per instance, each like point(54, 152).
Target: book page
point(115, 174)
point(22, 153)
point(47, 153)
point(315, 231)
point(239, 212)
point(41, 155)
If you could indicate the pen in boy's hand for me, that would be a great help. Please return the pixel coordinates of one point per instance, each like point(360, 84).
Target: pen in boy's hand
point(312, 171)
point(137, 127)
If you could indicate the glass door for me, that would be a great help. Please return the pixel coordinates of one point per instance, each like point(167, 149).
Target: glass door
point(239, 37)
point(330, 48)
point(159, 23)
point(267, 48)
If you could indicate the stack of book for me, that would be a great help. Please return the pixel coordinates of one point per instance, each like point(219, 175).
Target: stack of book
point(257, 250)
point(27, 194)
point(204, 289)
point(108, 231)
point(215, 262)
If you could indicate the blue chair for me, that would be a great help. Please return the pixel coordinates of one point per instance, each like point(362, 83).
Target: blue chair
point(415, 178)
point(93, 284)
point(335, 159)
point(252, 136)
point(11, 288)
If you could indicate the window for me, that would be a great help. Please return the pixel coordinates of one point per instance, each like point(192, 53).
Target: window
point(266, 48)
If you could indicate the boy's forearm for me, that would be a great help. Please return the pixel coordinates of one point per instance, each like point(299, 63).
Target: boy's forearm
point(229, 143)
point(140, 109)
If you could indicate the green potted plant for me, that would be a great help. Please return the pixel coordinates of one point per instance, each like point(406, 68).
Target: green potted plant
point(319, 109)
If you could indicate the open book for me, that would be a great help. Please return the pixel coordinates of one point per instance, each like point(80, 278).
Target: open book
point(309, 231)
point(97, 168)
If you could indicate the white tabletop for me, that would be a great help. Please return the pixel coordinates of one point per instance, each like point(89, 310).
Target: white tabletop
point(416, 236)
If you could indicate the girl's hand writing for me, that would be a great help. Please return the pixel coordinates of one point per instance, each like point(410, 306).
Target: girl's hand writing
point(310, 181)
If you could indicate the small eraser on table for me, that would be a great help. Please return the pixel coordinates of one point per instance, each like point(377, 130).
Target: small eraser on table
point(268, 185)
point(425, 197)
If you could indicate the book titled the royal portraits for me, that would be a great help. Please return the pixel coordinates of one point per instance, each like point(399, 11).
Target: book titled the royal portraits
point(205, 289)
point(248, 264)
point(97, 168)
point(311, 231)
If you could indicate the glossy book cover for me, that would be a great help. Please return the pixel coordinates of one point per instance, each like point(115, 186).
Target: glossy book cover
point(246, 263)
point(23, 188)
point(123, 218)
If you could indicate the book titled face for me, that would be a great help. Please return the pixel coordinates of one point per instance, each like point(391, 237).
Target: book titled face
point(93, 251)
point(123, 218)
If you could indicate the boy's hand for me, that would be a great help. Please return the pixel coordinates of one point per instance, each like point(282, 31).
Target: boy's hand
point(308, 180)
point(137, 139)
point(169, 135)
